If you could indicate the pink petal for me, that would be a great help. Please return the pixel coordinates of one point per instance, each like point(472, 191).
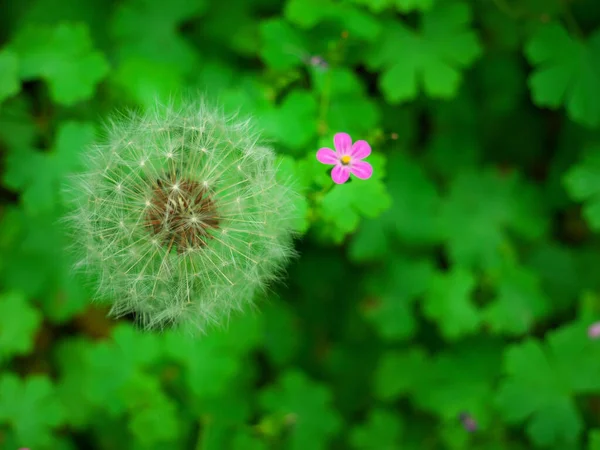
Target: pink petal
point(327, 156)
point(594, 330)
point(362, 170)
point(340, 174)
point(343, 143)
point(360, 150)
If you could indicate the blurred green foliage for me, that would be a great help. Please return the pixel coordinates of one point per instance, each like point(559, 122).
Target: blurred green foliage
point(460, 278)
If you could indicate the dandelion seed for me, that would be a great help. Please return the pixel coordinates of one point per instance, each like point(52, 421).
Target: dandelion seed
point(347, 158)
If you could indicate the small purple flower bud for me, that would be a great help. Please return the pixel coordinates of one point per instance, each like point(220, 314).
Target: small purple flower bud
point(318, 61)
point(468, 422)
point(594, 330)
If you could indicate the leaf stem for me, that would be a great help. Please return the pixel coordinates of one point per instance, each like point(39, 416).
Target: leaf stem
point(570, 20)
point(202, 433)
point(324, 105)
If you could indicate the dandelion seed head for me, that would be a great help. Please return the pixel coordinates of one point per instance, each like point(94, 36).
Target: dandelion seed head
point(177, 220)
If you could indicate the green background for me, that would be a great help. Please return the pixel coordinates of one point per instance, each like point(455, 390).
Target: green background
point(460, 278)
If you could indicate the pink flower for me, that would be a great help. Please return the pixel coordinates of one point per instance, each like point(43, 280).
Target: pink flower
point(594, 330)
point(347, 158)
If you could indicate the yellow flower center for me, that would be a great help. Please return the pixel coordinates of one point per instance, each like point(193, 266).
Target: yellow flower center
point(345, 159)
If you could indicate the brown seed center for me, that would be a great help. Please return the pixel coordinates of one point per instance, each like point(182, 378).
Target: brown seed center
point(182, 213)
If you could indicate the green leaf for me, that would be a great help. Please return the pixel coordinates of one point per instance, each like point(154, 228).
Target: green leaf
point(153, 416)
point(395, 290)
point(71, 383)
point(9, 74)
point(345, 101)
point(406, 6)
point(449, 303)
point(18, 129)
point(112, 365)
point(381, 431)
point(519, 302)
point(370, 242)
point(307, 406)
point(543, 378)
point(282, 47)
point(309, 13)
point(415, 201)
point(19, 322)
point(412, 61)
point(349, 108)
point(594, 440)
point(458, 124)
point(481, 208)
point(143, 81)
point(164, 46)
point(63, 56)
point(281, 333)
point(583, 183)
point(344, 205)
point(462, 378)
point(40, 176)
point(293, 123)
point(399, 372)
point(31, 408)
point(209, 367)
point(566, 72)
point(412, 217)
point(376, 6)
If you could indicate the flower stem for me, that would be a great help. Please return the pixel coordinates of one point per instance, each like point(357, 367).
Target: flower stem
point(204, 428)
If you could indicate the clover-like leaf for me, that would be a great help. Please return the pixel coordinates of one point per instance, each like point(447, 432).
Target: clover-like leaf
point(420, 60)
point(399, 372)
point(343, 206)
point(209, 366)
point(462, 378)
point(294, 122)
point(309, 13)
point(519, 302)
point(63, 56)
point(31, 408)
point(19, 322)
point(395, 291)
point(382, 431)
point(39, 175)
point(449, 303)
point(542, 379)
point(282, 46)
point(112, 365)
point(412, 218)
point(481, 208)
point(307, 407)
point(164, 45)
point(566, 72)
point(153, 417)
